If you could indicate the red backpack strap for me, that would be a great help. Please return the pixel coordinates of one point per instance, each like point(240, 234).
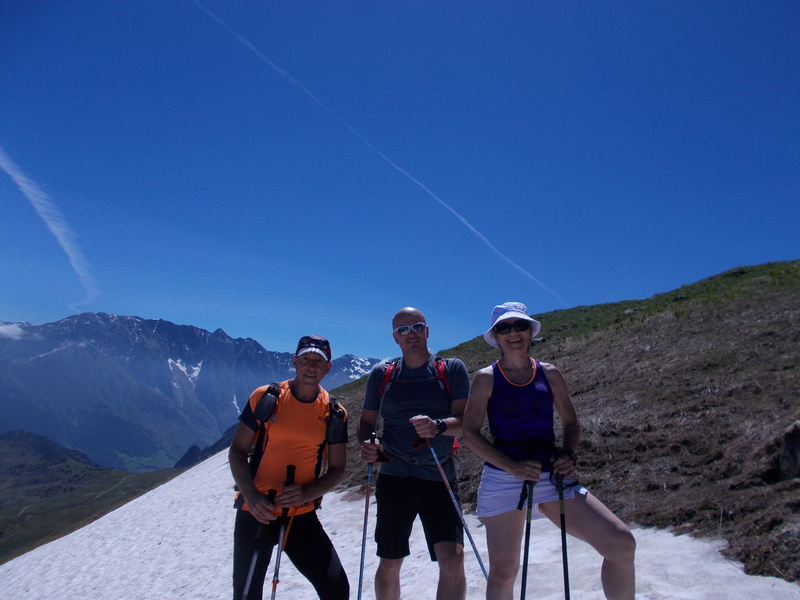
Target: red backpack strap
point(440, 365)
point(389, 376)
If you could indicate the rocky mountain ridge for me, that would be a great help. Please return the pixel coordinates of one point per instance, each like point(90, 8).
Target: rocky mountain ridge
point(135, 393)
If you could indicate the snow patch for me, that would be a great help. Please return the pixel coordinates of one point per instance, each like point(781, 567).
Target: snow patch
point(357, 367)
point(57, 349)
point(190, 371)
point(142, 551)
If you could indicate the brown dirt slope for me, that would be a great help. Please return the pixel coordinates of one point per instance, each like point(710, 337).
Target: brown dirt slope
point(683, 400)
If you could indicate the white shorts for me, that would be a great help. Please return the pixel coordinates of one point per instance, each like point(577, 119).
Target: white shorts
point(500, 491)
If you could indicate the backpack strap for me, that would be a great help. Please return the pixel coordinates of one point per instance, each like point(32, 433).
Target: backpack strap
point(266, 404)
point(393, 368)
point(264, 412)
point(336, 424)
point(440, 364)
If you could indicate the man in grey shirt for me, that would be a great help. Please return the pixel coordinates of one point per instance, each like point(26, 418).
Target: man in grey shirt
point(422, 400)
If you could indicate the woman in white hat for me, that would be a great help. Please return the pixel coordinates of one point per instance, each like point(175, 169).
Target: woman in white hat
point(520, 396)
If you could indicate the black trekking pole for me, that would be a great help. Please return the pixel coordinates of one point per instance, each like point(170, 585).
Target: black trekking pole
point(366, 521)
point(271, 495)
point(526, 495)
point(290, 469)
point(560, 486)
point(458, 507)
point(254, 560)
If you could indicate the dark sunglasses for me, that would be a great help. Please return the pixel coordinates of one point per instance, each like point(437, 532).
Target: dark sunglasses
point(406, 329)
point(505, 327)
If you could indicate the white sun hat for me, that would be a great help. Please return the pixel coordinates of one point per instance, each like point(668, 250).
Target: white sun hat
point(506, 311)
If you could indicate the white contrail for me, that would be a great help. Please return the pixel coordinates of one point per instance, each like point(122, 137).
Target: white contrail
point(55, 222)
point(388, 161)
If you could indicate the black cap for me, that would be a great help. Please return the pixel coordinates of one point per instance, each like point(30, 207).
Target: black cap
point(314, 343)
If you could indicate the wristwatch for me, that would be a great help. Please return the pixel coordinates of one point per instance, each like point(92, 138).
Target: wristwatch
point(441, 426)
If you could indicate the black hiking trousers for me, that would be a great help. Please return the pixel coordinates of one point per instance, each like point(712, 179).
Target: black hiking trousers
point(308, 547)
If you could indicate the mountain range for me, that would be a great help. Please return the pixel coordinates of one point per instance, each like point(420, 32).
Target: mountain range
point(135, 394)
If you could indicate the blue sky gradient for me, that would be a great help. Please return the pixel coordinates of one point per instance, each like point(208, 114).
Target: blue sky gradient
point(276, 169)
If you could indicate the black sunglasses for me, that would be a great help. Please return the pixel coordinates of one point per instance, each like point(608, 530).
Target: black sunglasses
point(406, 329)
point(505, 327)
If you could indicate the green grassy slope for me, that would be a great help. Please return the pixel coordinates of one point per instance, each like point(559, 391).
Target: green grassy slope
point(47, 491)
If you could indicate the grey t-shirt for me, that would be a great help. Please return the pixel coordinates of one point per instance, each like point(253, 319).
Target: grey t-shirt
point(414, 392)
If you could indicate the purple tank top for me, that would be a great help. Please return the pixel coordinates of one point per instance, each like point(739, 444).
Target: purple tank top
point(521, 416)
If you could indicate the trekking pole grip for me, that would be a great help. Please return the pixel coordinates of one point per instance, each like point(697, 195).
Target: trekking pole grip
point(290, 469)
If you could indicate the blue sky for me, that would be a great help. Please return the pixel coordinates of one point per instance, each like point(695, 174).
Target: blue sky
point(280, 168)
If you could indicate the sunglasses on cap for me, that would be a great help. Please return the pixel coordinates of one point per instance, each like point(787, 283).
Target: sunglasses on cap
point(504, 327)
point(406, 329)
point(309, 343)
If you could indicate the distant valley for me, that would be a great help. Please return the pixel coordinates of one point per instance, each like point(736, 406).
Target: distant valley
point(135, 394)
